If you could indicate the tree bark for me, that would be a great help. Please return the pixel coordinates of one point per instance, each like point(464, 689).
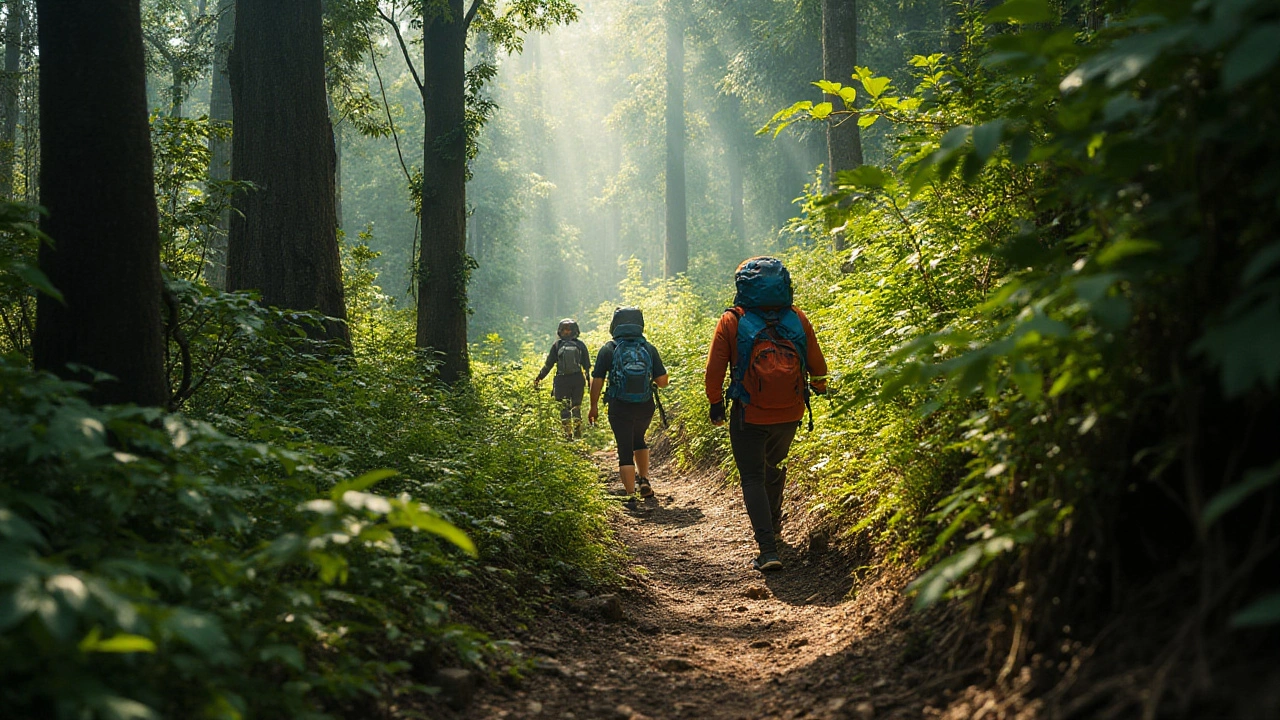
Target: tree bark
point(677, 245)
point(283, 241)
point(9, 94)
point(839, 58)
point(443, 263)
point(98, 186)
point(220, 148)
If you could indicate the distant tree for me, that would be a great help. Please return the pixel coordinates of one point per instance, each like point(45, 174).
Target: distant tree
point(10, 89)
point(283, 241)
point(219, 146)
point(455, 112)
point(839, 57)
point(677, 247)
point(178, 35)
point(96, 182)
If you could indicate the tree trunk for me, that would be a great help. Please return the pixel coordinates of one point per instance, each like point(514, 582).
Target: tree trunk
point(839, 57)
point(677, 247)
point(9, 93)
point(443, 264)
point(98, 185)
point(283, 241)
point(220, 148)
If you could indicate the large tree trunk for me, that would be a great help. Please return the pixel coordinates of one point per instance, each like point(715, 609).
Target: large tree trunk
point(9, 93)
point(220, 148)
point(443, 266)
point(839, 57)
point(283, 240)
point(677, 246)
point(97, 183)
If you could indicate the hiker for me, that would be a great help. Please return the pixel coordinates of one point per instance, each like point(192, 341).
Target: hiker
point(774, 360)
point(633, 368)
point(572, 362)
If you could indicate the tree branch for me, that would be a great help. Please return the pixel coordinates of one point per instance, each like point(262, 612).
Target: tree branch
point(471, 14)
point(408, 60)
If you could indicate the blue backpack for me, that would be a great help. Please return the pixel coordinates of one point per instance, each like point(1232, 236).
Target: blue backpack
point(769, 368)
point(631, 377)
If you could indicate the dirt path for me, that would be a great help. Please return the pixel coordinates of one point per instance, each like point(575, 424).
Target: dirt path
point(699, 634)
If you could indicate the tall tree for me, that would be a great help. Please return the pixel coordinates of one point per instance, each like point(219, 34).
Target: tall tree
point(283, 240)
point(96, 182)
point(677, 245)
point(444, 265)
point(10, 89)
point(220, 146)
point(839, 57)
point(454, 113)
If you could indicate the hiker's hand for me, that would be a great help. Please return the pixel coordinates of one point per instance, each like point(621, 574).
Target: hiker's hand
point(717, 413)
point(593, 414)
point(535, 383)
point(819, 388)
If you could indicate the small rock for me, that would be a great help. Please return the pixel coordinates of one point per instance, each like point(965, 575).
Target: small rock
point(648, 628)
point(835, 703)
point(819, 542)
point(673, 664)
point(798, 642)
point(535, 707)
point(740, 608)
point(608, 607)
point(551, 667)
point(761, 644)
point(864, 711)
point(458, 686)
point(758, 592)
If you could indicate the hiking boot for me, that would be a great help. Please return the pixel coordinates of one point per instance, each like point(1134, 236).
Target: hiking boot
point(767, 561)
point(646, 490)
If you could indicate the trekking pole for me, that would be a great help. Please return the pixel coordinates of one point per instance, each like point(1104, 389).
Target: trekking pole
point(662, 413)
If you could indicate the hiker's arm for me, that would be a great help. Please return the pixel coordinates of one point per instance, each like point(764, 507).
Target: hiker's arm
point(660, 377)
point(814, 360)
point(546, 367)
point(597, 384)
point(718, 358)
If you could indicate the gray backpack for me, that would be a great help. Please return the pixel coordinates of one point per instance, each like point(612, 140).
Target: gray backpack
point(568, 358)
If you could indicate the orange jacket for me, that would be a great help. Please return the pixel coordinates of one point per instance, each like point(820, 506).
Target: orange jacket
point(723, 353)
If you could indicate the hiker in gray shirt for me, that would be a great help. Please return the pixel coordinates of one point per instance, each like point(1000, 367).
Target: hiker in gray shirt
point(572, 362)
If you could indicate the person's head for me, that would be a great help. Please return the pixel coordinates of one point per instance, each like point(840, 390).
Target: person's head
point(568, 329)
point(627, 321)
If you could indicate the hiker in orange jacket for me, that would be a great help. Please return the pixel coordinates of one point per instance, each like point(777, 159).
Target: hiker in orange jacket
point(774, 360)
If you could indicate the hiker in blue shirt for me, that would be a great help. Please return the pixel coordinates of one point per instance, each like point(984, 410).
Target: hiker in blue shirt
point(633, 368)
point(572, 361)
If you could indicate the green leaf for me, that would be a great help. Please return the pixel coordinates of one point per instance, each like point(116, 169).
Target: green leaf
point(1232, 495)
point(15, 528)
point(986, 139)
point(1263, 611)
point(359, 484)
point(848, 95)
point(1252, 57)
point(865, 176)
point(866, 120)
point(437, 525)
point(828, 87)
point(285, 654)
point(38, 280)
point(1021, 11)
point(934, 583)
point(821, 111)
point(1127, 247)
point(875, 86)
point(121, 643)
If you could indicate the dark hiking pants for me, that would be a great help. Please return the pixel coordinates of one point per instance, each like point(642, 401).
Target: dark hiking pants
point(568, 391)
point(629, 422)
point(758, 450)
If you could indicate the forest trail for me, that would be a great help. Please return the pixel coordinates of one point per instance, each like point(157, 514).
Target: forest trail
point(699, 634)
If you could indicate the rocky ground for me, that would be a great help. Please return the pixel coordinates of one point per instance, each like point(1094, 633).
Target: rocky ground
point(698, 634)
